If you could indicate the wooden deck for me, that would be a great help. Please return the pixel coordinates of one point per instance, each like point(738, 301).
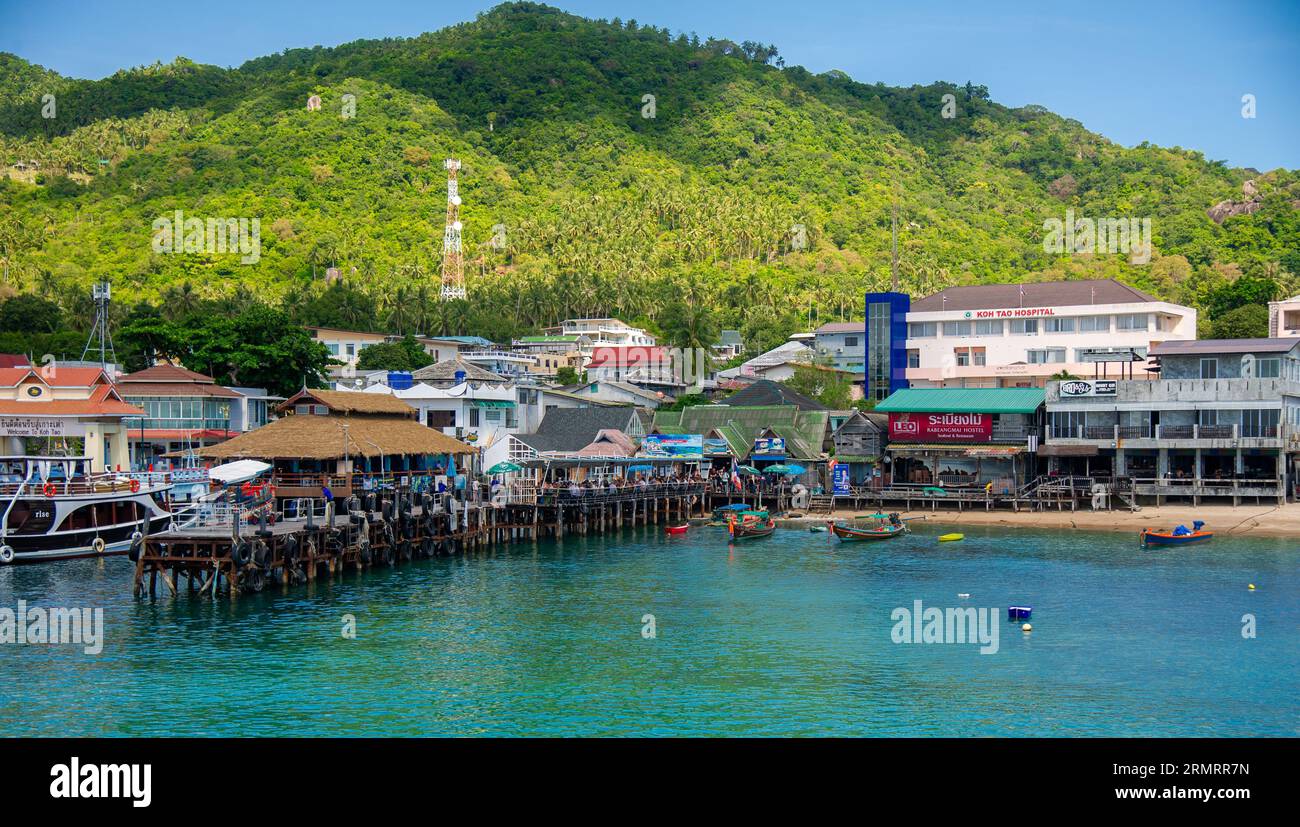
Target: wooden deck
point(358, 534)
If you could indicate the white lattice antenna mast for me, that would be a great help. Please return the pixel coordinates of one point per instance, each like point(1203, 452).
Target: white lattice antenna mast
point(100, 339)
point(453, 262)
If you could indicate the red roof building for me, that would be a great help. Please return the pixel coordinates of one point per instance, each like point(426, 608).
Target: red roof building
point(64, 406)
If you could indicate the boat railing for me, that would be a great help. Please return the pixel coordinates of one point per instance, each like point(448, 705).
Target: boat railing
point(102, 483)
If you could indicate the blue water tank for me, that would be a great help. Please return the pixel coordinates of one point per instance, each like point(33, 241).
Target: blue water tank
point(460, 376)
point(400, 380)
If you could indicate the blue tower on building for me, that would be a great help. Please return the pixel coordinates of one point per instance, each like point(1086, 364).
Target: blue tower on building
point(886, 345)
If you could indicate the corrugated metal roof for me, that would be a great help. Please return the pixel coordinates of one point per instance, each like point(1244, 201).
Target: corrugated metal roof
point(963, 400)
point(1032, 294)
point(1212, 346)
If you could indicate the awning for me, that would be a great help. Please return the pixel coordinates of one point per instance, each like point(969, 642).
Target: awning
point(995, 451)
point(1067, 450)
point(491, 403)
point(925, 447)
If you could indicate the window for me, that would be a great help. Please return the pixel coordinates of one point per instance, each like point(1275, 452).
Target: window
point(1131, 321)
point(1259, 423)
point(1210, 417)
point(1024, 327)
point(989, 327)
point(1066, 423)
point(962, 355)
point(1268, 368)
point(1209, 368)
point(1047, 355)
point(914, 358)
point(351, 350)
point(1094, 324)
point(956, 328)
point(977, 356)
point(850, 341)
point(922, 330)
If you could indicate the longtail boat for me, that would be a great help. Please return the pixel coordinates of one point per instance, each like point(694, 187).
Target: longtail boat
point(880, 527)
point(749, 529)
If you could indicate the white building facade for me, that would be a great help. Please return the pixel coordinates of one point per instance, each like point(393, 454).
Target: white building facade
point(1000, 336)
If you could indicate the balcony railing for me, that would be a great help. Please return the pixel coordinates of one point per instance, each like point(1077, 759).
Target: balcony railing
point(1166, 432)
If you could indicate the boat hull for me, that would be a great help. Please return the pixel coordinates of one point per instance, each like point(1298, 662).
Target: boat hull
point(57, 542)
point(850, 534)
point(752, 531)
point(1155, 538)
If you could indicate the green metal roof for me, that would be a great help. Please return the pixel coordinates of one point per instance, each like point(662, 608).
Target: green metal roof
point(803, 431)
point(963, 400)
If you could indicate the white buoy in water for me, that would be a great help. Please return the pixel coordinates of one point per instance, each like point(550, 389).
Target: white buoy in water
point(1026, 628)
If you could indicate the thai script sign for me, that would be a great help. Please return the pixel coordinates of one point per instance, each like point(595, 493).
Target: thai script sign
point(957, 427)
point(37, 426)
point(673, 446)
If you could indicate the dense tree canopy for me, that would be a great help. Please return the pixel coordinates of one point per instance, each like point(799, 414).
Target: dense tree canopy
point(759, 195)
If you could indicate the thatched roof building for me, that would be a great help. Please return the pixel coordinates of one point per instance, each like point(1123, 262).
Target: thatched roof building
point(333, 425)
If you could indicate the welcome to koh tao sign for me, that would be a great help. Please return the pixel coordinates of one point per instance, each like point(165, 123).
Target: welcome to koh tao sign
point(941, 427)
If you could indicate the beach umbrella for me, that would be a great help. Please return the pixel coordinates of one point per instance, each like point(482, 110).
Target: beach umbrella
point(748, 469)
point(505, 468)
point(782, 468)
point(796, 468)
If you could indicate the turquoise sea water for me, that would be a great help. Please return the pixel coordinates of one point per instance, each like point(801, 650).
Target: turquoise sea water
point(783, 636)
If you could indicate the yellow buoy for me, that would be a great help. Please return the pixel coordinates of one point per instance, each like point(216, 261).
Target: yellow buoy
point(1251, 587)
point(948, 538)
point(1026, 628)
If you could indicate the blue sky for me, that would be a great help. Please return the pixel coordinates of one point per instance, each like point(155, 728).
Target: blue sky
point(1172, 73)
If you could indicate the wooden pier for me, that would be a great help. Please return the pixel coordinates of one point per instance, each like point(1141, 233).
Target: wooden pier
point(386, 530)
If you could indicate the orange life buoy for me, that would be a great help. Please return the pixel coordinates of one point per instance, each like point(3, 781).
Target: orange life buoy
point(49, 489)
point(135, 485)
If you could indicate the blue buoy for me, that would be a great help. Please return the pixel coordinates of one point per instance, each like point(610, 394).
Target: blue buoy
point(1019, 612)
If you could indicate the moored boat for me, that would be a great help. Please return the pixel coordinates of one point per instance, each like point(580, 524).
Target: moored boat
point(879, 527)
point(1179, 536)
point(52, 508)
point(677, 529)
point(749, 529)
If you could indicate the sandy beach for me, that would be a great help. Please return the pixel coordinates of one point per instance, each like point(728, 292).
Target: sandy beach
point(1223, 520)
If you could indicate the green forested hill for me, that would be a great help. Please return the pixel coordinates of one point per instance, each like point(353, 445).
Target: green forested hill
point(604, 211)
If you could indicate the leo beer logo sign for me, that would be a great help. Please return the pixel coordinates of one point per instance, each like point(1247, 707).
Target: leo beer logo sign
point(959, 427)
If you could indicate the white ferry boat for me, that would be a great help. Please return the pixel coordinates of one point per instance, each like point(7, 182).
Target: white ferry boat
point(53, 508)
